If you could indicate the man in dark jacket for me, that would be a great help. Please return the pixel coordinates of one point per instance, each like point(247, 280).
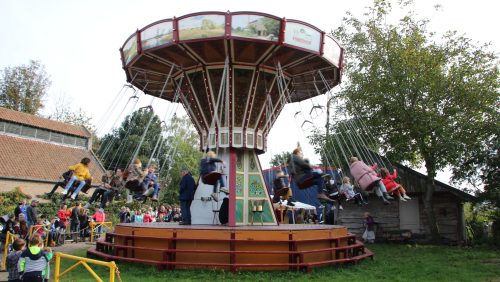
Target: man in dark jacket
point(32, 213)
point(186, 195)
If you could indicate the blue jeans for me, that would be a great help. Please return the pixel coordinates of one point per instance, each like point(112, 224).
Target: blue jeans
point(317, 180)
point(70, 184)
point(185, 211)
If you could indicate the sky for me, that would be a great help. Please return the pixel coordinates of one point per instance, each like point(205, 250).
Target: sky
point(78, 43)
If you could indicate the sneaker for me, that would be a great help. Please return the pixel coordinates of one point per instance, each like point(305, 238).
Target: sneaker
point(64, 192)
point(406, 197)
point(224, 190)
point(402, 199)
point(215, 197)
point(387, 196)
point(333, 208)
point(73, 196)
point(340, 207)
point(321, 207)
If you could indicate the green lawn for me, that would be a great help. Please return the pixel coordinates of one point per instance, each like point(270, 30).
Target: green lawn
point(391, 263)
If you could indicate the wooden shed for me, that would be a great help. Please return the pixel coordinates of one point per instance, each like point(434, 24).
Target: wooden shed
point(395, 220)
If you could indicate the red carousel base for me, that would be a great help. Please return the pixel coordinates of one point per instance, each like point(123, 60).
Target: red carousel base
point(283, 247)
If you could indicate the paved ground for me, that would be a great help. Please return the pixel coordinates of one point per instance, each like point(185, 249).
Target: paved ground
point(66, 248)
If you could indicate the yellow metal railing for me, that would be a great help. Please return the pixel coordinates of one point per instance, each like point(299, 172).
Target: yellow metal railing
point(35, 228)
point(96, 225)
point(9, 239)
point(113, 269)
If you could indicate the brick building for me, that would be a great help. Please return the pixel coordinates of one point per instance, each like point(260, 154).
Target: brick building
point(35, 151)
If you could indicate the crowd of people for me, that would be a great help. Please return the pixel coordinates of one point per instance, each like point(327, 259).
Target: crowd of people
point(32, 259)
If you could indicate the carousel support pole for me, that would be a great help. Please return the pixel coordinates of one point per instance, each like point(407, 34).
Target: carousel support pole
point(232, 187)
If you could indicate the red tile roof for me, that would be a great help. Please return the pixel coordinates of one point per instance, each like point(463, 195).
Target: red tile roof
point(22, 158)
point(40, 122)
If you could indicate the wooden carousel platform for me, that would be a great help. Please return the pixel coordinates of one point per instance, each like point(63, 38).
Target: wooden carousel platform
point(282, 247)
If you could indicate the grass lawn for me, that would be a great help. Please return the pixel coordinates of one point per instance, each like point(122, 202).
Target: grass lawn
point(391, 263)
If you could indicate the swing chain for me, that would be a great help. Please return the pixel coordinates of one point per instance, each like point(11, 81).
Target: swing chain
point(117, 272)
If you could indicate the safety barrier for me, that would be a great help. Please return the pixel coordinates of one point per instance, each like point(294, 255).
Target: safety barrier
point(113, 269)
point(36, 228)
point(96, 225)
point(9, 239)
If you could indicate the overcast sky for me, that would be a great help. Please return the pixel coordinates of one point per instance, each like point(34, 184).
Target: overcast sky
point(78, 42)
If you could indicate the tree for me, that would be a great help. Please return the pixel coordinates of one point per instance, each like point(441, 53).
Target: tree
point(66, 114)
point(182, 151)
point(22, 88)
point(119, 146)
point(279, 159)
point(431, 101)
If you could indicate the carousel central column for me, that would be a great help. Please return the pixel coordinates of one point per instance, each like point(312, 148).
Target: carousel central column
point(237, 144)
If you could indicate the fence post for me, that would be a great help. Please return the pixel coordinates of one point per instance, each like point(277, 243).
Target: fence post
point(58, 267)
point(6, 250)
point(112, 271)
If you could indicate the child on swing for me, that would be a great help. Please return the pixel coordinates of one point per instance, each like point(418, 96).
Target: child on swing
point(367, 179)
point(348, 191)
point(392, 186)
point(207, 166)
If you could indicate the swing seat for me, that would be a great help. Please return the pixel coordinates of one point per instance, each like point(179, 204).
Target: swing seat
point(308, 182)
point(212, 178)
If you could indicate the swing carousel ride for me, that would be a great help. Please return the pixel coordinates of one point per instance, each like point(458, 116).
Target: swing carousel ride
point(233, 72)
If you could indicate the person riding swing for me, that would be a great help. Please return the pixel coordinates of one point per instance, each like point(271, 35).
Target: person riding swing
point(135, 175)
point(367, 179)
point(210, 175)
point(304, 174)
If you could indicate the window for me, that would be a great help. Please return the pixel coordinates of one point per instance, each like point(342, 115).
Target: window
point(56, 137)
point(70, 140)
point(28, 131)
point(13, 128)
point(81, 142)
point(42, 134)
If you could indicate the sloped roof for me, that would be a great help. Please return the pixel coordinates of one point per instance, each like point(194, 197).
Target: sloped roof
point(22, 158)
point(416, 182)
point(40, 122)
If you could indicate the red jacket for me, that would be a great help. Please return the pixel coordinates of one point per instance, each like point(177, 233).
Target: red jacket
point(147, 218)
point(389, 182)
point(63, 216)
point(99, 217)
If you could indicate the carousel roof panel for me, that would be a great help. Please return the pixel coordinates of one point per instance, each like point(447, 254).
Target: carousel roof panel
point(249, 38)
point(210, 52)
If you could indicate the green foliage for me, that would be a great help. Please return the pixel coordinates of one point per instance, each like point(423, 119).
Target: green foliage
point(23, 88)
point(428, 100)
point(418, 94)
point(183, 143)
point(10, 200)
point(118, 147)
point(279, 159)
point(391, 263)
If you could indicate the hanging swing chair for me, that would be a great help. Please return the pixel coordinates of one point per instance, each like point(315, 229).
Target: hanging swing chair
point(306, 183)
point(212, 178)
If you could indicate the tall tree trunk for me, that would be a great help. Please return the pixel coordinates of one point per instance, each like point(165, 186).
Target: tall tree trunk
point(428, 203)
